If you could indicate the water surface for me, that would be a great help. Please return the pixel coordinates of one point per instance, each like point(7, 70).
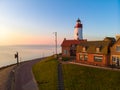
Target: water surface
point(26, 52)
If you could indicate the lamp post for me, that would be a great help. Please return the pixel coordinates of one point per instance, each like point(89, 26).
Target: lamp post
point(56, 43)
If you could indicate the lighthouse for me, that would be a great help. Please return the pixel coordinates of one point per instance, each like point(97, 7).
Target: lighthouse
point(78, 30)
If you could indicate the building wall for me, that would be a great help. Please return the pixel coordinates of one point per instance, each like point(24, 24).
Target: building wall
point(68, 51)
point(115, 54)
point(77, 57)
point(104, 62)
point(117, 36)
point(113, 48)
point(78, 33)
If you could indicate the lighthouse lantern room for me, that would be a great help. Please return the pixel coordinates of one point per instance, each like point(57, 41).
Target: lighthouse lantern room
point(78, 30)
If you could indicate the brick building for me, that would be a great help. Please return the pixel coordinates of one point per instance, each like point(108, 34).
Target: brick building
point(95, 52)
point(69, 47)
point(115, 54)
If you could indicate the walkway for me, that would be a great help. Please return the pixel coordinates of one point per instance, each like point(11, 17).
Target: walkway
point(60, 78)
point(4, 77)
point(24, 79)
point(107, 68)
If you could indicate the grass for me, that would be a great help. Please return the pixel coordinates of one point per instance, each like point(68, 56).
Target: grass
point(85, 78)
point(45, 73)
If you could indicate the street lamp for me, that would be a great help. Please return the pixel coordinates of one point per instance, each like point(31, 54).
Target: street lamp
point(56, 43)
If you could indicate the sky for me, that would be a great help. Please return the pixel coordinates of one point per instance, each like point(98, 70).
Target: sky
point(35, 21)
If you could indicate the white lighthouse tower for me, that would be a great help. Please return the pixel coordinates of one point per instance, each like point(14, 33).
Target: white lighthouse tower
point(78, 30)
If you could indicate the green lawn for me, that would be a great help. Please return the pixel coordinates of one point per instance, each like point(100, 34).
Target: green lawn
point(45, 73)
point(85, 78)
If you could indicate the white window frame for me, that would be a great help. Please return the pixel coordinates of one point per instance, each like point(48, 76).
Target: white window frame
point(65, 52)
point(81, 56)
point(100, 58)
point(85, 57)
point(84, 49)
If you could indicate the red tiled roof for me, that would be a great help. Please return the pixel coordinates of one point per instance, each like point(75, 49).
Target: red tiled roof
point(67, 43)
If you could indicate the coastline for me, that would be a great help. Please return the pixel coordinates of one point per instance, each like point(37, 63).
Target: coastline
point(6, 75)
point(4, 67)
point(26, 52)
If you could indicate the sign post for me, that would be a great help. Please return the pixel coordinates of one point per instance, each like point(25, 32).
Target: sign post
point(17, 56)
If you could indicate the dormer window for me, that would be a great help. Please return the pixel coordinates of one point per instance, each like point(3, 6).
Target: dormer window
point(98, 49)
point(118, 48)
point(84, 49)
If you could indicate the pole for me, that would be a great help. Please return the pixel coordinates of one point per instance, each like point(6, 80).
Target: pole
point(17, 56)
point(56, 43)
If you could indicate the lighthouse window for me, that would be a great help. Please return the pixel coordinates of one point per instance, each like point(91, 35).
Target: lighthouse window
point(77, 34)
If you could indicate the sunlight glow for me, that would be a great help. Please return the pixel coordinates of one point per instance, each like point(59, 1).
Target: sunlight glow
point(3, 34)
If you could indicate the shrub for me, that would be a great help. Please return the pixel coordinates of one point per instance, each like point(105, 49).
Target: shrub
point(65, 58)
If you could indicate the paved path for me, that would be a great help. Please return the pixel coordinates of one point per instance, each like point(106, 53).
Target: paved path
point(4, 77)
point(60, 78)
point(24, 79)
point(107, 68)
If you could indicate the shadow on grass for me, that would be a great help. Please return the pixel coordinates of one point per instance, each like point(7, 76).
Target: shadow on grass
point(42, 82)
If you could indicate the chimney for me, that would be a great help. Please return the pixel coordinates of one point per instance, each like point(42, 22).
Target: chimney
point(117, 36)
point(64, 39)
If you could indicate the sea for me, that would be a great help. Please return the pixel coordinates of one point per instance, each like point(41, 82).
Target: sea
point(25, 52)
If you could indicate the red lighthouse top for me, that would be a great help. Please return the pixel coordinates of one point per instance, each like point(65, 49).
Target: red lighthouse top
point(78, 24)
point(78, 20)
